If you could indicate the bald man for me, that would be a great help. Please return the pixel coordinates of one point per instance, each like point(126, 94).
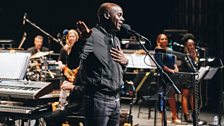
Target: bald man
point(102, 67)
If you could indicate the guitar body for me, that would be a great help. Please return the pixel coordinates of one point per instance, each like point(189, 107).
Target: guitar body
point(70, 74)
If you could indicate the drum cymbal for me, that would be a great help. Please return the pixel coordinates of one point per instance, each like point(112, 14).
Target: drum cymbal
point(40, 54)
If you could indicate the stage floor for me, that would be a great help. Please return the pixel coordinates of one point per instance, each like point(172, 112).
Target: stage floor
point(144, 121)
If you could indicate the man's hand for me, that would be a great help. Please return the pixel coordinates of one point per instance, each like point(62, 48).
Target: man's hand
point(83, 30)
point(67, 85)
point(118, 56)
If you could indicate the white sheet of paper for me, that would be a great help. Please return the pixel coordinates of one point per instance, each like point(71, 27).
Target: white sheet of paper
point(13, 66)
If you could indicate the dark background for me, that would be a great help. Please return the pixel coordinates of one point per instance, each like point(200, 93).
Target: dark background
point(203, 18)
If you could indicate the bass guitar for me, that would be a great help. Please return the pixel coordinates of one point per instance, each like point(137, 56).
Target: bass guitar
point(70, 74)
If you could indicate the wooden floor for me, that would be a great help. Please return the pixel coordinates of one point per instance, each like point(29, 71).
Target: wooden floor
point(144, 121)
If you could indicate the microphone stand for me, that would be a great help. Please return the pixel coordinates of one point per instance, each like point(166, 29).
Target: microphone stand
point(195, 92)
point(221, 93)
point(161, 71)
point(50, 36)
point(195, 84)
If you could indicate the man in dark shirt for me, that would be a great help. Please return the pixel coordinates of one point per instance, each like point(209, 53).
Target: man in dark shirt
point(38, 45)
point(101, 70)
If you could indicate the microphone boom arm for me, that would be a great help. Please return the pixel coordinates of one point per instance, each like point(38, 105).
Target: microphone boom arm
point(50, 36)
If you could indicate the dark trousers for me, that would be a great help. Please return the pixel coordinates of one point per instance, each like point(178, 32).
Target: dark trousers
point(101, 112)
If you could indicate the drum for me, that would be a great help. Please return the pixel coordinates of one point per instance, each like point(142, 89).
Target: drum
point(53, 65)
point(33, 76)
point(53, 69)
point(41, 69)
point(34, 70)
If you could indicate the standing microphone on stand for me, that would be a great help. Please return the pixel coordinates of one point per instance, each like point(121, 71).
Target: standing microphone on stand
point(127, 28)
point(64, 33)
point(181, 45)
point(24, 19)
point(59, 37)
point(178, 44)
point(62, 37)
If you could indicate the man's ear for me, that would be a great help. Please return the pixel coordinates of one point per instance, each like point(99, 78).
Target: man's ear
point(106, 15)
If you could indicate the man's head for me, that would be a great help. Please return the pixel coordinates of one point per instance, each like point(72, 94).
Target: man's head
point(38, 42)
point(110, 15)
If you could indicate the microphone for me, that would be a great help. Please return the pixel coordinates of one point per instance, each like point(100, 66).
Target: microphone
point(59, 36)
point(200, 48)
point(181, 45)
point(168, 51)
point(178, 44)
point(24, 19)
point(62, 37)
point(127, 28)
point(65, 32)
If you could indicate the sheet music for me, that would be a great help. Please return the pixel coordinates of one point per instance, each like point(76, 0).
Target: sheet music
point(13, 65)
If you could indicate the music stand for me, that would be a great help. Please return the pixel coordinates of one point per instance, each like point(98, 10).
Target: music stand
point(211, 72)
point(202, 72)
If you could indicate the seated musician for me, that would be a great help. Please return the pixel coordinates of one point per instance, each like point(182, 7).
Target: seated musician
point(38, 45)
point(69, 54)
point(69, 58)
point(167, 63)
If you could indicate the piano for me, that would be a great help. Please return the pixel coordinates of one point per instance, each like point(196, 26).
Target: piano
point(25, 100)
point(24, 89)
point(12, 107)
point(25, 113)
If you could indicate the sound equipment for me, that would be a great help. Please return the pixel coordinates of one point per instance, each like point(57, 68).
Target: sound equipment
point(6, 43)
